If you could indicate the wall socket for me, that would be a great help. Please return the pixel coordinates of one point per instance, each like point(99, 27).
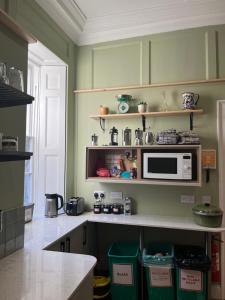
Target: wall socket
point(99, 195)
point(187, 199)
point(116, 195)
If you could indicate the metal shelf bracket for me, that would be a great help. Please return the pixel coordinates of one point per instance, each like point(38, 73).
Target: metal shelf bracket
point(143, 123)
point(191, 120)
point(102, 124)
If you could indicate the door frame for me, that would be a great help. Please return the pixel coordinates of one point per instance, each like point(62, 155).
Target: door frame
point(221, 167)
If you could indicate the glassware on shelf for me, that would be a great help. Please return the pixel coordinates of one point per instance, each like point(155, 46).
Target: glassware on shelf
point(16, 78)
point(3, 73)
point(164, 102)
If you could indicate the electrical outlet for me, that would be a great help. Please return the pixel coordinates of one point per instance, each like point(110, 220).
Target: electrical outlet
point(99, 195)
point(116, 195)
point(206, 199)
point(187, 199)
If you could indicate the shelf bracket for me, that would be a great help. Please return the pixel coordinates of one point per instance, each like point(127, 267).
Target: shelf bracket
point(191, 120)
point(102, 124)
point(143, 123)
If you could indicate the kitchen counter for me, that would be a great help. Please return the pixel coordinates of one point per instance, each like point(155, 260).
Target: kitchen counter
point(33, 273)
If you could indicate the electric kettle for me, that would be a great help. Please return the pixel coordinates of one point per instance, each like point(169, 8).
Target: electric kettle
point(52, 205)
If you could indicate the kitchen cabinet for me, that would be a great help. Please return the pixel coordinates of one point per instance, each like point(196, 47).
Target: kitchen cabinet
point(10, 96)
point(81, 240)
point(96, 157)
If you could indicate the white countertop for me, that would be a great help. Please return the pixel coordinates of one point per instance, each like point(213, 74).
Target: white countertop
point(33, 273)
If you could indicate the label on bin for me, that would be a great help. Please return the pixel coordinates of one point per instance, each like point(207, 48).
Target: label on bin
point(123, 274)
point(191, 280)
point(160, 276)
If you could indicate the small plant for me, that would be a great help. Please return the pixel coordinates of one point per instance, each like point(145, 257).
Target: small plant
point(142, 103)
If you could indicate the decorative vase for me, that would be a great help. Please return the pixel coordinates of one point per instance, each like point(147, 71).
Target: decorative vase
point(142, 108)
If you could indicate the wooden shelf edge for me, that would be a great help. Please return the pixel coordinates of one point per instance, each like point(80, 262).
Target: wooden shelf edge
point(185, 146)
point(17, 29)
point(153, 85)
point(143, 181)
point(148, 114)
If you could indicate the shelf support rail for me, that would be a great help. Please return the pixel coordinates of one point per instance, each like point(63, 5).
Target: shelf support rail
point(102, 124)
point(143, 123)
point(191, 120)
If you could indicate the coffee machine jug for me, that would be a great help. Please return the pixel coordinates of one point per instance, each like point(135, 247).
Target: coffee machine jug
point(138, 137)
point(149, 137)
point(113, 136)
point(52, 205)
point(126, 137)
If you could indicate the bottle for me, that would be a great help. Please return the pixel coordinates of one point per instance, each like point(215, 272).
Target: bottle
point(127, 206)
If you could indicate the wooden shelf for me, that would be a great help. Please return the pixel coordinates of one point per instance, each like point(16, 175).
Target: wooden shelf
point(142, 181)
point(17, 29)
point(148, 114)
point(9, 96)
point(14, 155)
point(154, 85)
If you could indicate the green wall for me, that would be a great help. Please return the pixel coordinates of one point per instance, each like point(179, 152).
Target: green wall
point(177, 56)
point(12, 50)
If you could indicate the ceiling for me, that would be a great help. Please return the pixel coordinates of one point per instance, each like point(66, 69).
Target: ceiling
point(93, 21)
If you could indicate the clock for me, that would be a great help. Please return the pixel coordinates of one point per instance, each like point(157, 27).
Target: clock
point(123, 107)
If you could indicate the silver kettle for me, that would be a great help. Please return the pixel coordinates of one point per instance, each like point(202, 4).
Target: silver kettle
point(52, 205)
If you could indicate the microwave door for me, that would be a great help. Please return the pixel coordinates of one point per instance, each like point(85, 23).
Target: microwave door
point(162, 166)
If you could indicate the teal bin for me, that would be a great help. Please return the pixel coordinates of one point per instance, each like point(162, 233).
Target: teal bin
point(124, 271)
point(192, 265)
point(159, 269)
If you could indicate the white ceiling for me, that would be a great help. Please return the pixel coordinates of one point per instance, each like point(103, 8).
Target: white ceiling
point(94, 21)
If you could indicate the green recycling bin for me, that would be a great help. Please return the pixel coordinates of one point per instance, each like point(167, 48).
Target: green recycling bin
point(159, 269)
point(124, 271)
point(192, 265)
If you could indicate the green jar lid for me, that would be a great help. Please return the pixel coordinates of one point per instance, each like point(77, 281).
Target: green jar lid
point(207, 209)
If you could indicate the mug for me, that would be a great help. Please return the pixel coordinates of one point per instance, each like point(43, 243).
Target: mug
point(190, 100)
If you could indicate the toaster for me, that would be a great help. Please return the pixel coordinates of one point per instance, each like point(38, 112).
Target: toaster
point(74, 206)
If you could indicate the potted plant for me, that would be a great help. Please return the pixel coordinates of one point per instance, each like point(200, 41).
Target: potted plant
point(142, 107)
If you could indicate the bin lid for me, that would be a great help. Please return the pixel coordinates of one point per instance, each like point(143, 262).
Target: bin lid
point(207, 209)
point(101, 281)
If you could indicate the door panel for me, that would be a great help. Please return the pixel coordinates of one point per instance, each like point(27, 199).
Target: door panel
point(52, 131)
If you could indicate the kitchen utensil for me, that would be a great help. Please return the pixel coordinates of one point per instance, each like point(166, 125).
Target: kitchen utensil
point(113, 136)
point(138, 137)
point(190, 100)
point(16, 78)
point(52, 205)
point(123, 106)
point(126, 134)
point(94, 140)
point(103, 172)
point(3, 73)
point(149, 137)
point(9, 143)
point(74, 206)
point(207, 215)
point(103, 110)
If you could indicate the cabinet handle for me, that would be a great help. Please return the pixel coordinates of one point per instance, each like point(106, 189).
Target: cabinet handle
point(62, 246)
point(84, 235)
point(68, 244)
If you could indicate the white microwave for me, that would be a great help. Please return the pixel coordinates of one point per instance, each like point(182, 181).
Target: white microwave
point(159, 165)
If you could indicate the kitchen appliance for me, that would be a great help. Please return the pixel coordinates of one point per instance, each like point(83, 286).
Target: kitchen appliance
point(94, 140)
point(190, 100)
point(74, 206)
point(149, 137)
point(163, 165)
point(113, 136)
point(138, 137)
point(9, 143)
point(127, 206)
point(123, 106)
point(126, 133)
point(52, 205)
point(207, 215)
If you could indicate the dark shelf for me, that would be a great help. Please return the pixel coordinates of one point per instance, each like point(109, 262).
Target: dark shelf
point(14, 155)
point(9, 96)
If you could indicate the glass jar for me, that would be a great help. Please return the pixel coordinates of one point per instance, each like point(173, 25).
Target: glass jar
point(3, 73)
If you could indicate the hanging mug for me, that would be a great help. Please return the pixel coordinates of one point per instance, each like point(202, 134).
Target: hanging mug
point(190, 100)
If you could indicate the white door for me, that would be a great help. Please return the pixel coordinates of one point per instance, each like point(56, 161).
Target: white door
point(51, 132)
